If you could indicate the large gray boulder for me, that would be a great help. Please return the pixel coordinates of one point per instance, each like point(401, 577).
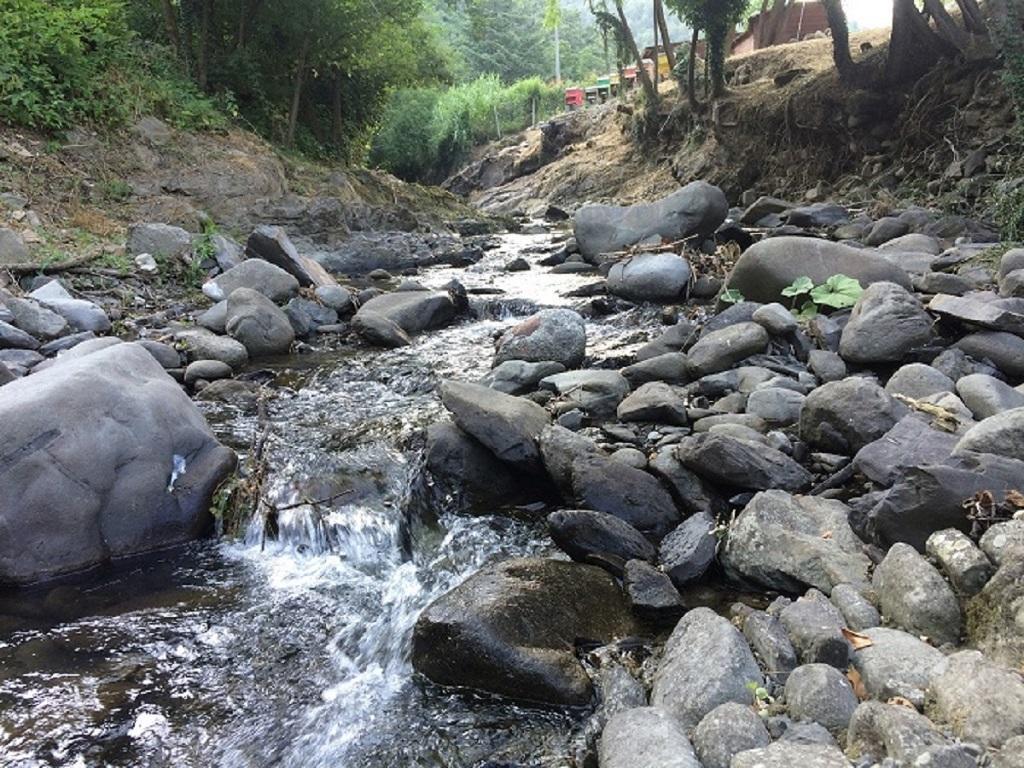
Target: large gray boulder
point(878, 731)
point(12, 248)
point(911, 443)
point(789, 543)
point(790, 754)
point(737, 463)
point(1004, 350)
point(201, 344)
point(551, 335)
point(508, 426)
point(982, 701)
point(844, 416)
point(722, 349)
point(821, 694)
point(987, 396)
point(706, 663)
point(105, 457)
point(913, 595)
point(410, 311)
point(258, 275)
point(588, 536)
point(512, 629)
point(726, 731)
point(33, 318)
point(630, 494)
point(887, 322)
point(995, 617)
point(255, 321)
point(272, 244)
point(697, 208)
point(651, 277)
point(1002, 435)
point(896, 664)
point(158, 240)
point(770, 265)
point(645, 737)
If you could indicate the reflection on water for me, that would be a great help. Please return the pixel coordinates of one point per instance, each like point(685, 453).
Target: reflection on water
point(293, 652)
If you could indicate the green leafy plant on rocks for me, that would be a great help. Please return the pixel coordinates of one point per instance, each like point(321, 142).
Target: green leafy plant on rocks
point(838, 292)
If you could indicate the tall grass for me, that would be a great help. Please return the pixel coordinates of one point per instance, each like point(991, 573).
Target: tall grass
point(427, 132)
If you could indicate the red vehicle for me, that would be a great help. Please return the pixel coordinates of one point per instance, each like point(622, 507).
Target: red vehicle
point(574, 98)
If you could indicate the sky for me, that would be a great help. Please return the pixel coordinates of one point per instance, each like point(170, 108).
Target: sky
point(868, 14)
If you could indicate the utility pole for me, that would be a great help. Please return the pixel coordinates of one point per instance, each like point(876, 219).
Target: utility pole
point(657, 58)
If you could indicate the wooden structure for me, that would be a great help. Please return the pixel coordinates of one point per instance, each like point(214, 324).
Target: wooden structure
point(574, 98)
point(801, 19)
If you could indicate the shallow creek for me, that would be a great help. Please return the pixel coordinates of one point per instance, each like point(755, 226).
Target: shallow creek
point(294, 652)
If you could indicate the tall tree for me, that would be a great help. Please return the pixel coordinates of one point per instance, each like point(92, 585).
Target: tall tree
point(848, 70)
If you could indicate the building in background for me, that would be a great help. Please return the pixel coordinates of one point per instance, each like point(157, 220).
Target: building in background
point(799, 21)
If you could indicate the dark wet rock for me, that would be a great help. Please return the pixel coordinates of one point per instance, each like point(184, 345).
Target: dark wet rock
point(512, 629)
point(886, 229)
point(741, 312)
point(645, 737)
point(706, 664)
point(965, 565)
point(677, 338)
point(671, 368)
point(164, 354)
point(1002, 435)
point(1001, 540)
point(896, 664)
point(741, 464)
point(650, 277)
point(995, 618)
point(779, 541)
point(507, 426)
point(688, 490)
point(596, 392)
point(201, 344)
point(769, 640)
point(257, 275)
point(886, 324)
point(911, 443)
point(551, 335)
point(987, 396)
point(651, 593)
point(687, 553)
point(411, 311)
point(914, 596)
point(654, 402)
point(696, 208)
point(516, 377)
point(857, 610)
point(92, 481)
point(629, 494)
point(15, 338)
point(598, 538)
point(1004, 350)
point(764, 206)
point(726, 731)
point(878, 731)
point(918, 380)
point(817, 216)
point(930, 498)
point(980, 700)
point(814, 626)
point(337, 298)
point(788, 754)
point(206, 370)
point(273, 245)
point(822, 694)
point(721, 350)
point(256, 322)
point(769, 266)
point(560, 447)
point(827, 366)
point(463, 468)
point(158, 240)
point(844, 416)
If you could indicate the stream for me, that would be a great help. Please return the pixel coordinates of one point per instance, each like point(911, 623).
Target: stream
point(295, 651)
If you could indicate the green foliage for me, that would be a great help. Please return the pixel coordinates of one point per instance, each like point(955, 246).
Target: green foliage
point(715, 18)
point(731, 296)
point(838, 292)
point(427, 132)
point(1010, 214)
point(1011, 41)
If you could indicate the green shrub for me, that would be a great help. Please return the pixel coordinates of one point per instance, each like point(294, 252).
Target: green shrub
point(404, 143)
point(64, 62)
point(1010, 214)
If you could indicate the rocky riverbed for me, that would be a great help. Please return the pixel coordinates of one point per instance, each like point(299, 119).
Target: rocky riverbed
point(686, 486)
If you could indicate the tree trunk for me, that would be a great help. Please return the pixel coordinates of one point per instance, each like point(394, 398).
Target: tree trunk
point(772, 31)
point(337, 110)
point(946, 25)
point(645, 79)
point(659, 8)
point(717, 33)
point(300, 75)
point(203, 67)
point(974, 19)
point(848, 71)
point(657, 56)
point(914, 47)
point(691, 73)
point(247, 11)
point(171, 25)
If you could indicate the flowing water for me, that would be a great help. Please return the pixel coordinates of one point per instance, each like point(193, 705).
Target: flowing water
point(295, 651)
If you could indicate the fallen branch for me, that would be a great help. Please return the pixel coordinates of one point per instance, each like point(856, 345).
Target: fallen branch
point(62, 266)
